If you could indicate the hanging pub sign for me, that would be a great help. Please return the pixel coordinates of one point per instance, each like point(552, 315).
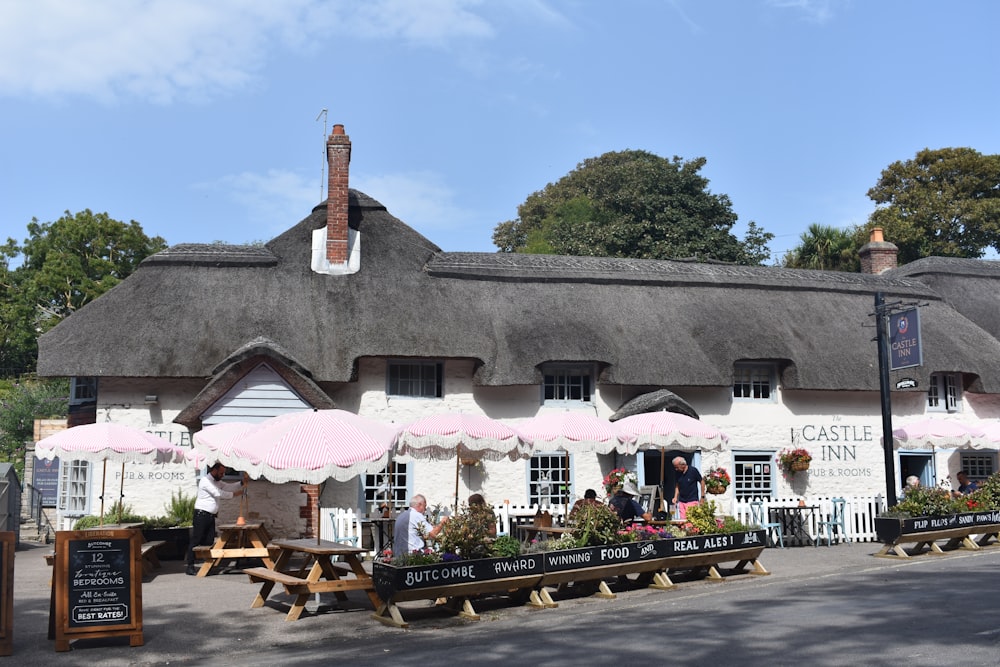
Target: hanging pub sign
point(97, 586)
point(905, 350)
point(7, 543)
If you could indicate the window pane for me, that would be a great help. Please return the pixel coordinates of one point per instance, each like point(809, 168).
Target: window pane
point(420, 379)
point(548, 483)
point(567, 384)
point(752, 382)
point(752, 475)
point(978, 466)
point(386, 485)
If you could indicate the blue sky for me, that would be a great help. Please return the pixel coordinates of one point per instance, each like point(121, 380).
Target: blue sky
point(203, 120)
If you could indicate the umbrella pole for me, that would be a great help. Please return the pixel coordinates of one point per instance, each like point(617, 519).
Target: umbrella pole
point(104, 479)
point(566, 488)
point(121, 493)
point(458, 467)
point(318, 497)
point(663, 490)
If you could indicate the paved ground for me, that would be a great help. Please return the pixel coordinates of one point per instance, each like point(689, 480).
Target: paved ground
point(189, 620)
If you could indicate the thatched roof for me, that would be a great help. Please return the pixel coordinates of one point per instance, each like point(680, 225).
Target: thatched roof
point(187, 311)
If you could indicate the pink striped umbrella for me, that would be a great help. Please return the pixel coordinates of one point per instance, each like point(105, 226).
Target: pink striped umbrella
point(311, 447)
point(572, 431)
point(211, 440)
point(948, 433)
point(449, 435)
point(108, 441)
point(462, 436)
point(670, 430)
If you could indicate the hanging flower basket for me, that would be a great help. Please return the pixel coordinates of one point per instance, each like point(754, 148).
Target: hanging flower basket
point(717, 480)
point(794, 460)
point(715, 490)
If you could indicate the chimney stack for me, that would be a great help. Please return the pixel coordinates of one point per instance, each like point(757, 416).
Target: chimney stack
point(878, 255)
point(338, 153)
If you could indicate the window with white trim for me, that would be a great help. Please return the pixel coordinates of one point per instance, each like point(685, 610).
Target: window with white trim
point(82, 390)
point(566, 384)
point(74, 483)
point(548, 482)
point(978, 465)
point(388, 485)
point(944, 392)
point(753, 382)
point(753, 475)
point(415, 379)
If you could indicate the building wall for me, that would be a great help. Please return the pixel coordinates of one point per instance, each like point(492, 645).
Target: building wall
point(842, 430)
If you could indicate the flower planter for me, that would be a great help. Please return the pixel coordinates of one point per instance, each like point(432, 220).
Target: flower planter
point(926, 530)
point(799, 466)
point(715, 490)
point(175, 541)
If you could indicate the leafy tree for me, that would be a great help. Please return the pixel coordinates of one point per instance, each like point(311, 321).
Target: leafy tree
point(631, 204)
point(21, 403)
point(825, 248)
point(944, 202)
point(64, 265)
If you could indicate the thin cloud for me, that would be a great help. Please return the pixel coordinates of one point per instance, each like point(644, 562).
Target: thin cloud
point(165, 50)
point(269, 201)
point(422, 199)
point(814, 11)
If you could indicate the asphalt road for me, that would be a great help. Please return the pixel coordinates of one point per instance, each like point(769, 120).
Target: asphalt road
point(835, 605)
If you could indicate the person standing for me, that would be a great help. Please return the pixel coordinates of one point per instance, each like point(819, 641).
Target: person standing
point(690, 487)
point(211, 489)
point(412, 528)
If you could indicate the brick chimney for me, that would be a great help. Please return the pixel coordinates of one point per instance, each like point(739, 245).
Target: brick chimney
point(338, 153)
point(878, 255)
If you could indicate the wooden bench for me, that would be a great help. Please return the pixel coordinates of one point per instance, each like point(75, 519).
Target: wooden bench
point(302, 588)
point(209, 555)
point(150, 559)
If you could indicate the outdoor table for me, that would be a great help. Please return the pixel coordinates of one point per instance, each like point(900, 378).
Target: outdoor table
point(529, 532)
point(235, 540)
point(319, 574)
point(795, 523)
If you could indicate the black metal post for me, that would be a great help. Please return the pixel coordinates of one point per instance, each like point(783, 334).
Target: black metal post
point(882, 334)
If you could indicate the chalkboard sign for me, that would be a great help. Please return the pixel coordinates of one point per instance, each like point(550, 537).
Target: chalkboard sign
point(45, 478)
point(8, 542)
point(97, 584)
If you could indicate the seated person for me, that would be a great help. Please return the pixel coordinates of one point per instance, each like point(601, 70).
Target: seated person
point(477, 500)
point(965, 486)
point(912, 482)
point(625, 506)
point(589, 498)
point(412, 528)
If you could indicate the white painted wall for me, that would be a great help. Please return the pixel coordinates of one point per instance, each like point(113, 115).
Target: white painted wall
point(841, 429)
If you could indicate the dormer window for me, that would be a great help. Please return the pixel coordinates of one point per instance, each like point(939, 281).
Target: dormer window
point(944, 392)
point(82, 390)
point(564, 383)
point(753, 382)
point(415, 379)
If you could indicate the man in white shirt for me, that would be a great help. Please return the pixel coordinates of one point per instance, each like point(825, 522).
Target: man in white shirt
point(412, 527)
point(211, 489)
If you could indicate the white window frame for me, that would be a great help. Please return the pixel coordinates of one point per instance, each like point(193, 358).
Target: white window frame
point(374, 487)
point(74, 488)
point(749, 378)
point(567, 384)
point(552, 490)
point(394, 385)
point(754, 474)
point(944, 392)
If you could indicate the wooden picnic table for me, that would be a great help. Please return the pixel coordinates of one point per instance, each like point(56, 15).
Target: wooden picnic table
point(236, 540)
point(529, 532)
point(319, 574)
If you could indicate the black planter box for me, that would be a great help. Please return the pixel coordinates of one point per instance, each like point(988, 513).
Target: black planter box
point(176, 541)
point(699, 544)
point(890, 529)
point(389, 579)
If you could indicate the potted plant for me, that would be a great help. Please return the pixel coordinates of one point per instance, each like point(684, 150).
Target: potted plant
point(173, 528)
point(717, 480)
point(794, 460)
point(615, 479)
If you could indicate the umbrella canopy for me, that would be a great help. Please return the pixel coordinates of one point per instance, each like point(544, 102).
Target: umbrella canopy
point(990, 432)
point(107, 441)
point(449, 435)
point(311, 447)
point(210, 441)
point(670, 430)
point(573, 431)
point(948, 433)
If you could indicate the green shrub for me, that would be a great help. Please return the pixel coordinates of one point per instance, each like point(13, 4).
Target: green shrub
point(505, 546)
point(467, 534)
point(181, 508)
point(595, 524)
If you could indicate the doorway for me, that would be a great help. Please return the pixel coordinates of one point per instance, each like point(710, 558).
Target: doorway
point(921, 465)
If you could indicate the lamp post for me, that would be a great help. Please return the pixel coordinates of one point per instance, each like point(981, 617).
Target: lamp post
point(882, 336)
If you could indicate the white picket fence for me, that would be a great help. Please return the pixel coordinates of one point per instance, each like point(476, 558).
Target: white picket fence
point(341, 524)
point(859, 513)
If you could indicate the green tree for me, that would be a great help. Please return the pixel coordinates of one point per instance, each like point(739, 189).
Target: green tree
point(21, 403)
point(63, 266)
point(825, 248)
point(631, 204)
point(943, 202)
